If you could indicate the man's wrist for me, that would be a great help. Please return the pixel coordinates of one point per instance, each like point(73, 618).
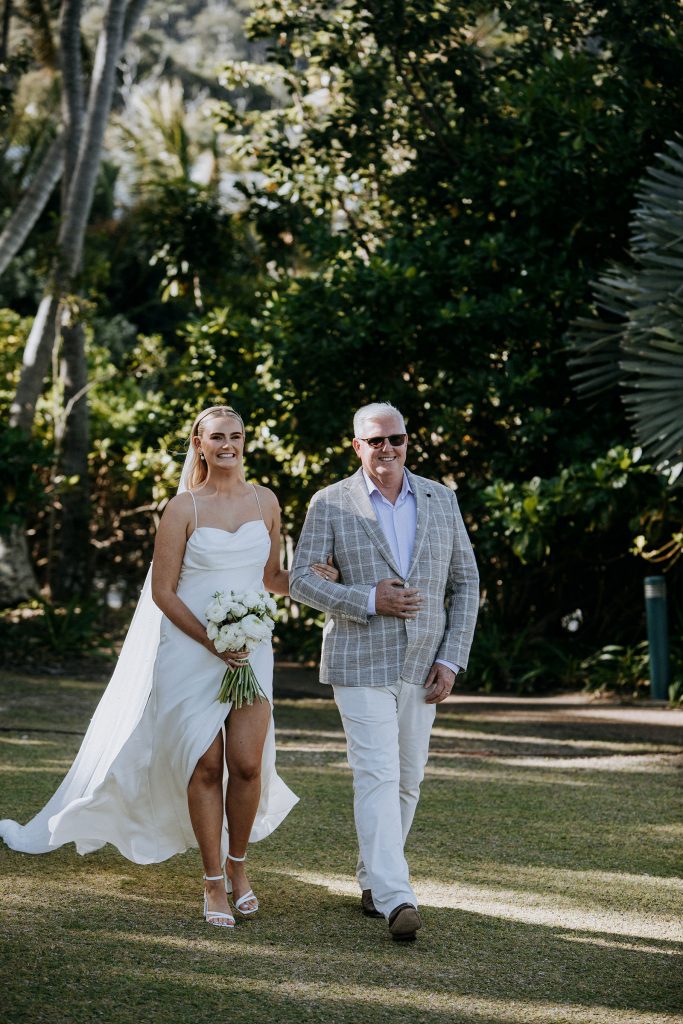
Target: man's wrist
point(372, 607)
point(449, 664)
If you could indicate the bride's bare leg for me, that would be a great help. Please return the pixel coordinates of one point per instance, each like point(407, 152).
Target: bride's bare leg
point(246, 730)
point(205, 801)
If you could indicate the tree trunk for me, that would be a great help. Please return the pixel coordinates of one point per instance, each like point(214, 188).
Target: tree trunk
point(72, 88)
point(133, 12)
point(83, 155)
point(17, 581)
point(72, 575)
point(4, 30)
point(32, 203)
point(81, 187)
point(17, 578)
point(36, 360)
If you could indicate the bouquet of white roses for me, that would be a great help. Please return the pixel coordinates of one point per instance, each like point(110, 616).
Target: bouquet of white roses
point(239, 621)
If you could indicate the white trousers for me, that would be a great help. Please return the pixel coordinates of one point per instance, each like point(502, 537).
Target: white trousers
point(387, 740)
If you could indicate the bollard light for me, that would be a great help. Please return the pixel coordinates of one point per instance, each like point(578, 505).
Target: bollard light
point(657, 636)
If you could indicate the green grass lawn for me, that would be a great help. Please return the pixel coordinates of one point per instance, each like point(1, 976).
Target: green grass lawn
point(547, 857)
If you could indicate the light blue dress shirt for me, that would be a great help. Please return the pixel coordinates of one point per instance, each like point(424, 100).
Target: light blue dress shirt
point(398, 523)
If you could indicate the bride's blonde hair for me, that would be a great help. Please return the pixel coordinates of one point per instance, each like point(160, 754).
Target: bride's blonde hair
point(198, 470)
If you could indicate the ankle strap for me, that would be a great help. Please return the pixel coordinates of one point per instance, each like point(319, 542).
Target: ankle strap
point(213, 878)
point(237, 859)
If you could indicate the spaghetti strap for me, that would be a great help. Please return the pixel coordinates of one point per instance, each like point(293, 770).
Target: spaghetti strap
point(258, 503)
point(196, 521)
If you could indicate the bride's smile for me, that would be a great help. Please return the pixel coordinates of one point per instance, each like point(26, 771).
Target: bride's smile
point(223, 445)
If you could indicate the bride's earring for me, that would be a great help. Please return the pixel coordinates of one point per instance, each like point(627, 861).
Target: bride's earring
point(202, 456)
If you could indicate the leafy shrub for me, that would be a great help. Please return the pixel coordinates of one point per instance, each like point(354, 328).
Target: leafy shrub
point(22, 460)
point(41, 631)
point(616, 668)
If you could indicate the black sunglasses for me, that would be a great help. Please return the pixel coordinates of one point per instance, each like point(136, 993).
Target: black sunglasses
point(395, 440)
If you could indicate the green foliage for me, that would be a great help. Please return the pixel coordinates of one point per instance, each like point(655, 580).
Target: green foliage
point(537, 515)
point(71, 627)
point(43, 631)
point(190, 237)
point(438, 186)
point(21, 459)
point(636, 341)
point(617, 668)
point(298, 633)
point(428, 190)
point(521, 660)
point(435, 191)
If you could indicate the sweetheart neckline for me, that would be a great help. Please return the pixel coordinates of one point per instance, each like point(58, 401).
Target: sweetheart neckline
point(230, 533)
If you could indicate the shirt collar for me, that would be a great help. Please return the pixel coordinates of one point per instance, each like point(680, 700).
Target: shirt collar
point(372, 487)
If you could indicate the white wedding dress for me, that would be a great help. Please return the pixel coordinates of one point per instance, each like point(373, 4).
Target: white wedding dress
point(128, 784)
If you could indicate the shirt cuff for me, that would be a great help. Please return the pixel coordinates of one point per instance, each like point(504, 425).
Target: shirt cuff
point(448, 664)
point(371, 601)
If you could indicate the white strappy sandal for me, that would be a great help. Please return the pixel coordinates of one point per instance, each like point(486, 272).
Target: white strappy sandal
point(248, 897)
point(216, 917)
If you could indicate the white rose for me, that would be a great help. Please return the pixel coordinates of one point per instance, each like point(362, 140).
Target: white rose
point(212, 631)
point(254, 628)
point(271, 605)
point(238, 609)
point(234, 636)
point(215, 612)
point(220, 645)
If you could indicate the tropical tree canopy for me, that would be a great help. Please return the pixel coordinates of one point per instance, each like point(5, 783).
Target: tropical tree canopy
point(398, 201)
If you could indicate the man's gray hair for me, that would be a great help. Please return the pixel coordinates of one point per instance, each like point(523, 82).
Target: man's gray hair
point(367, 412)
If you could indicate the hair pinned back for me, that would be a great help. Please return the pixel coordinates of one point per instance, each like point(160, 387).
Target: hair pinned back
point(198, 470)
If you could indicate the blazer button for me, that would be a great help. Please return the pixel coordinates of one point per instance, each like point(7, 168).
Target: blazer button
point(405, 584)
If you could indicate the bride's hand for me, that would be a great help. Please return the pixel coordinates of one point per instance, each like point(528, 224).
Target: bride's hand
point(326, 571)
point(233, 659)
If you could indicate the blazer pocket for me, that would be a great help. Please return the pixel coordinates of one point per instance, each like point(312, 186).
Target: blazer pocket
point(440, 550)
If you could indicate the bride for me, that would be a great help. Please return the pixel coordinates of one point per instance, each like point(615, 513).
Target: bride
point(150, 776)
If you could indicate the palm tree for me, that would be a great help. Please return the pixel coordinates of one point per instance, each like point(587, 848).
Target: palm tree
point(634, 339)
point(84, 120)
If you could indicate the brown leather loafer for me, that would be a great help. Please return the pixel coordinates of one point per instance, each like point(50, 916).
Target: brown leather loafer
point(367, 905)
point(404, 922)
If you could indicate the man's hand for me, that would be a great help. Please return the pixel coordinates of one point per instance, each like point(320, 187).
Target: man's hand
point(393, 598)
point(440, 680)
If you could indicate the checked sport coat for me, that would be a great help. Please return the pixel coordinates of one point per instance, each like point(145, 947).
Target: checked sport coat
point(377, 650)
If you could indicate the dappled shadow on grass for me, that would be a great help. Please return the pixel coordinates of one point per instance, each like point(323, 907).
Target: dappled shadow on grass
point(570, 900)
point(311, 956)
point(546, 886)
point(57, 703)
point(554, 720)
point(550, 740)
point(310, 725)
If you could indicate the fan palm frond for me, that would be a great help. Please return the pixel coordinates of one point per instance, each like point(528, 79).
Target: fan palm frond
point(634, 339)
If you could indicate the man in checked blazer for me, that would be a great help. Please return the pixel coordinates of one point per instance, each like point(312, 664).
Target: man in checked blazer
point(399, 626)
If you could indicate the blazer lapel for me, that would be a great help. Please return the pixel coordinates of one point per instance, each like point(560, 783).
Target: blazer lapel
point(422, 499)
point(359, 502)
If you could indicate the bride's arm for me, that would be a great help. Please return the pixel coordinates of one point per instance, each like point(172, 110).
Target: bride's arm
point(169, 549)
point(275, 578)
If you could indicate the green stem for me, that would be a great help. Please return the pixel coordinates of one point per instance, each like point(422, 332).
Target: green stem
point(240, 686)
